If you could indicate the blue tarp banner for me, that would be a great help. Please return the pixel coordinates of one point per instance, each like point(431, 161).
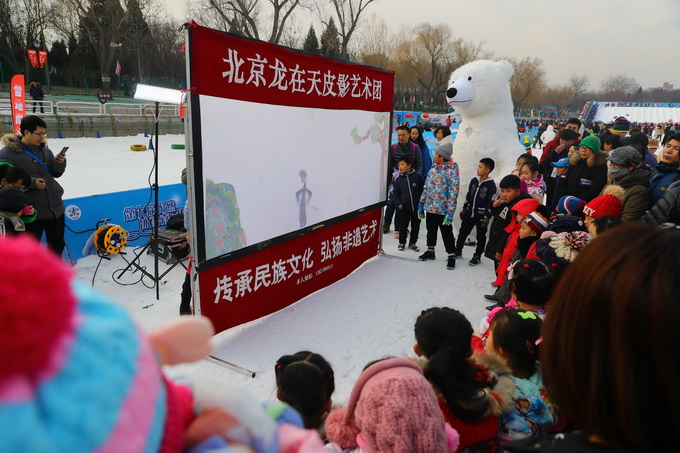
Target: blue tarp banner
point(131, 209)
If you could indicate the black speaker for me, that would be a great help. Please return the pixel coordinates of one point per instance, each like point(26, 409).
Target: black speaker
point(172, 246)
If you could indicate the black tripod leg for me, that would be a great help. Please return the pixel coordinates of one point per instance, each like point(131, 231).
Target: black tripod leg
point(135, 263)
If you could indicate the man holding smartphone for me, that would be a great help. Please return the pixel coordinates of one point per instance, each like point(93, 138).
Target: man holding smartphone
point(29, 151)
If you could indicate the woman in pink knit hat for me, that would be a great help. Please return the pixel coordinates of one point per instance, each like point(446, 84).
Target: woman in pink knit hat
point(392, 409)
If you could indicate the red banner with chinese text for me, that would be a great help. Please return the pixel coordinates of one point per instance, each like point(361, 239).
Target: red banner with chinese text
point(42, 58)
point(33, 57)
point(18, 100)
point(256, 71)
point(267, 281)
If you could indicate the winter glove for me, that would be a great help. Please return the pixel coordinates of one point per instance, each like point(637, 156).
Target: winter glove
point(462, 214)
point(448, 219)
point(485, 222)
point(421, 211)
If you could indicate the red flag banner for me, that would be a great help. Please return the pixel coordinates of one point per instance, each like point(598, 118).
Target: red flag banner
point(33, 57)
point(18, 99)
point(42, 58)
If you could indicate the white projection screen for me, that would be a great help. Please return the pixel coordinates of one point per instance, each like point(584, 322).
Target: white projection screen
point(283, 142)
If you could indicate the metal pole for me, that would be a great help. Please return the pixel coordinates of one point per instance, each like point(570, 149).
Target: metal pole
point(155, 201)
point(231, 366)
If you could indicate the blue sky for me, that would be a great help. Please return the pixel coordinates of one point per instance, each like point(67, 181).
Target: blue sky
point(595, 38)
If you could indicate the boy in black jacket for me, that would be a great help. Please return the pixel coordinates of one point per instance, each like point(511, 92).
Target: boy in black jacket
point(500, 210)
point(407, 190)
point(13, 201)
point(477, 209)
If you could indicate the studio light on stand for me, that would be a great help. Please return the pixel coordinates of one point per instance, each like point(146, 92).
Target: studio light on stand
point(157, 95)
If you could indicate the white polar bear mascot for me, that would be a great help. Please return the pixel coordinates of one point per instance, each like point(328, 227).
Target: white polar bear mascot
point(480, 92)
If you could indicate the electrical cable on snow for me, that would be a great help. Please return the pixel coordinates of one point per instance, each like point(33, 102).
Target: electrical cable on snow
point(101, 258)
point(141, 268)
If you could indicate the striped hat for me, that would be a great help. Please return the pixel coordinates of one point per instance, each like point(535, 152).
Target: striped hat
point(536, 222)
point(621, 124)
point(569, 205)
point(77, 375)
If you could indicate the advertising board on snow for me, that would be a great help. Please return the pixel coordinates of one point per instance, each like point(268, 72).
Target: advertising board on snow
point(131, 209)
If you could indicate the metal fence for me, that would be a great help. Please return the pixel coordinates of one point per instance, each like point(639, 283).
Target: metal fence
point(76, 80)
point(79, 108)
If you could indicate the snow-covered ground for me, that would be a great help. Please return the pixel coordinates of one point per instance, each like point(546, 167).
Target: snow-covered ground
point(368, 315)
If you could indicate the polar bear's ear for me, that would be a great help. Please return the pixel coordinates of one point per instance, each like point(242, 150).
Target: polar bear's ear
point(505, 67)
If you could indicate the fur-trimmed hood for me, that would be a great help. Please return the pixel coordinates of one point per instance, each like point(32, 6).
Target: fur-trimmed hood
point(503, 392)
point(13, 142)
point(496, 399)
point(593, 161)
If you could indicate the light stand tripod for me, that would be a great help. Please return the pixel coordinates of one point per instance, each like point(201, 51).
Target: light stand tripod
point(154, 236)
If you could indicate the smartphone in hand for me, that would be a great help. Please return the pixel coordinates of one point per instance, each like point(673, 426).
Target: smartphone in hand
point(63, 151)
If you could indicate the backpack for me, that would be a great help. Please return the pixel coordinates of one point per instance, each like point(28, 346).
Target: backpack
point(414, 147)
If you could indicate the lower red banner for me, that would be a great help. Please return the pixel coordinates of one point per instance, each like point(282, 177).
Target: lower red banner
point(267, 281)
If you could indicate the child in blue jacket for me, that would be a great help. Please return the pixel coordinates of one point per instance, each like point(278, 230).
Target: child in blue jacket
point(408, 187)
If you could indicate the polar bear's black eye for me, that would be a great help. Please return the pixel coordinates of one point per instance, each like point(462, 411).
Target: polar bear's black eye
point(470, 78)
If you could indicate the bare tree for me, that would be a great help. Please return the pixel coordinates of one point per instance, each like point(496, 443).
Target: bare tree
point(377, 44)
point(136, 38)
point(257, 19)
point(579, 87)
point(293, 33)
point(618, 83)
point(102, 21)
point(578, 83)
point(559, 96)
point(527, 79)
point(23, 24)
point(165, 53)
point(11, 37)
point(346, 14)
point(430, 54)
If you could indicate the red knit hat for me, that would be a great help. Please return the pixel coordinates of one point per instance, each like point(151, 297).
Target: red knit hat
point(526, 206)
point(607, 204)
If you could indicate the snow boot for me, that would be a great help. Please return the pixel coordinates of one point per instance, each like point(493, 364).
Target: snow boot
point(427, 256)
